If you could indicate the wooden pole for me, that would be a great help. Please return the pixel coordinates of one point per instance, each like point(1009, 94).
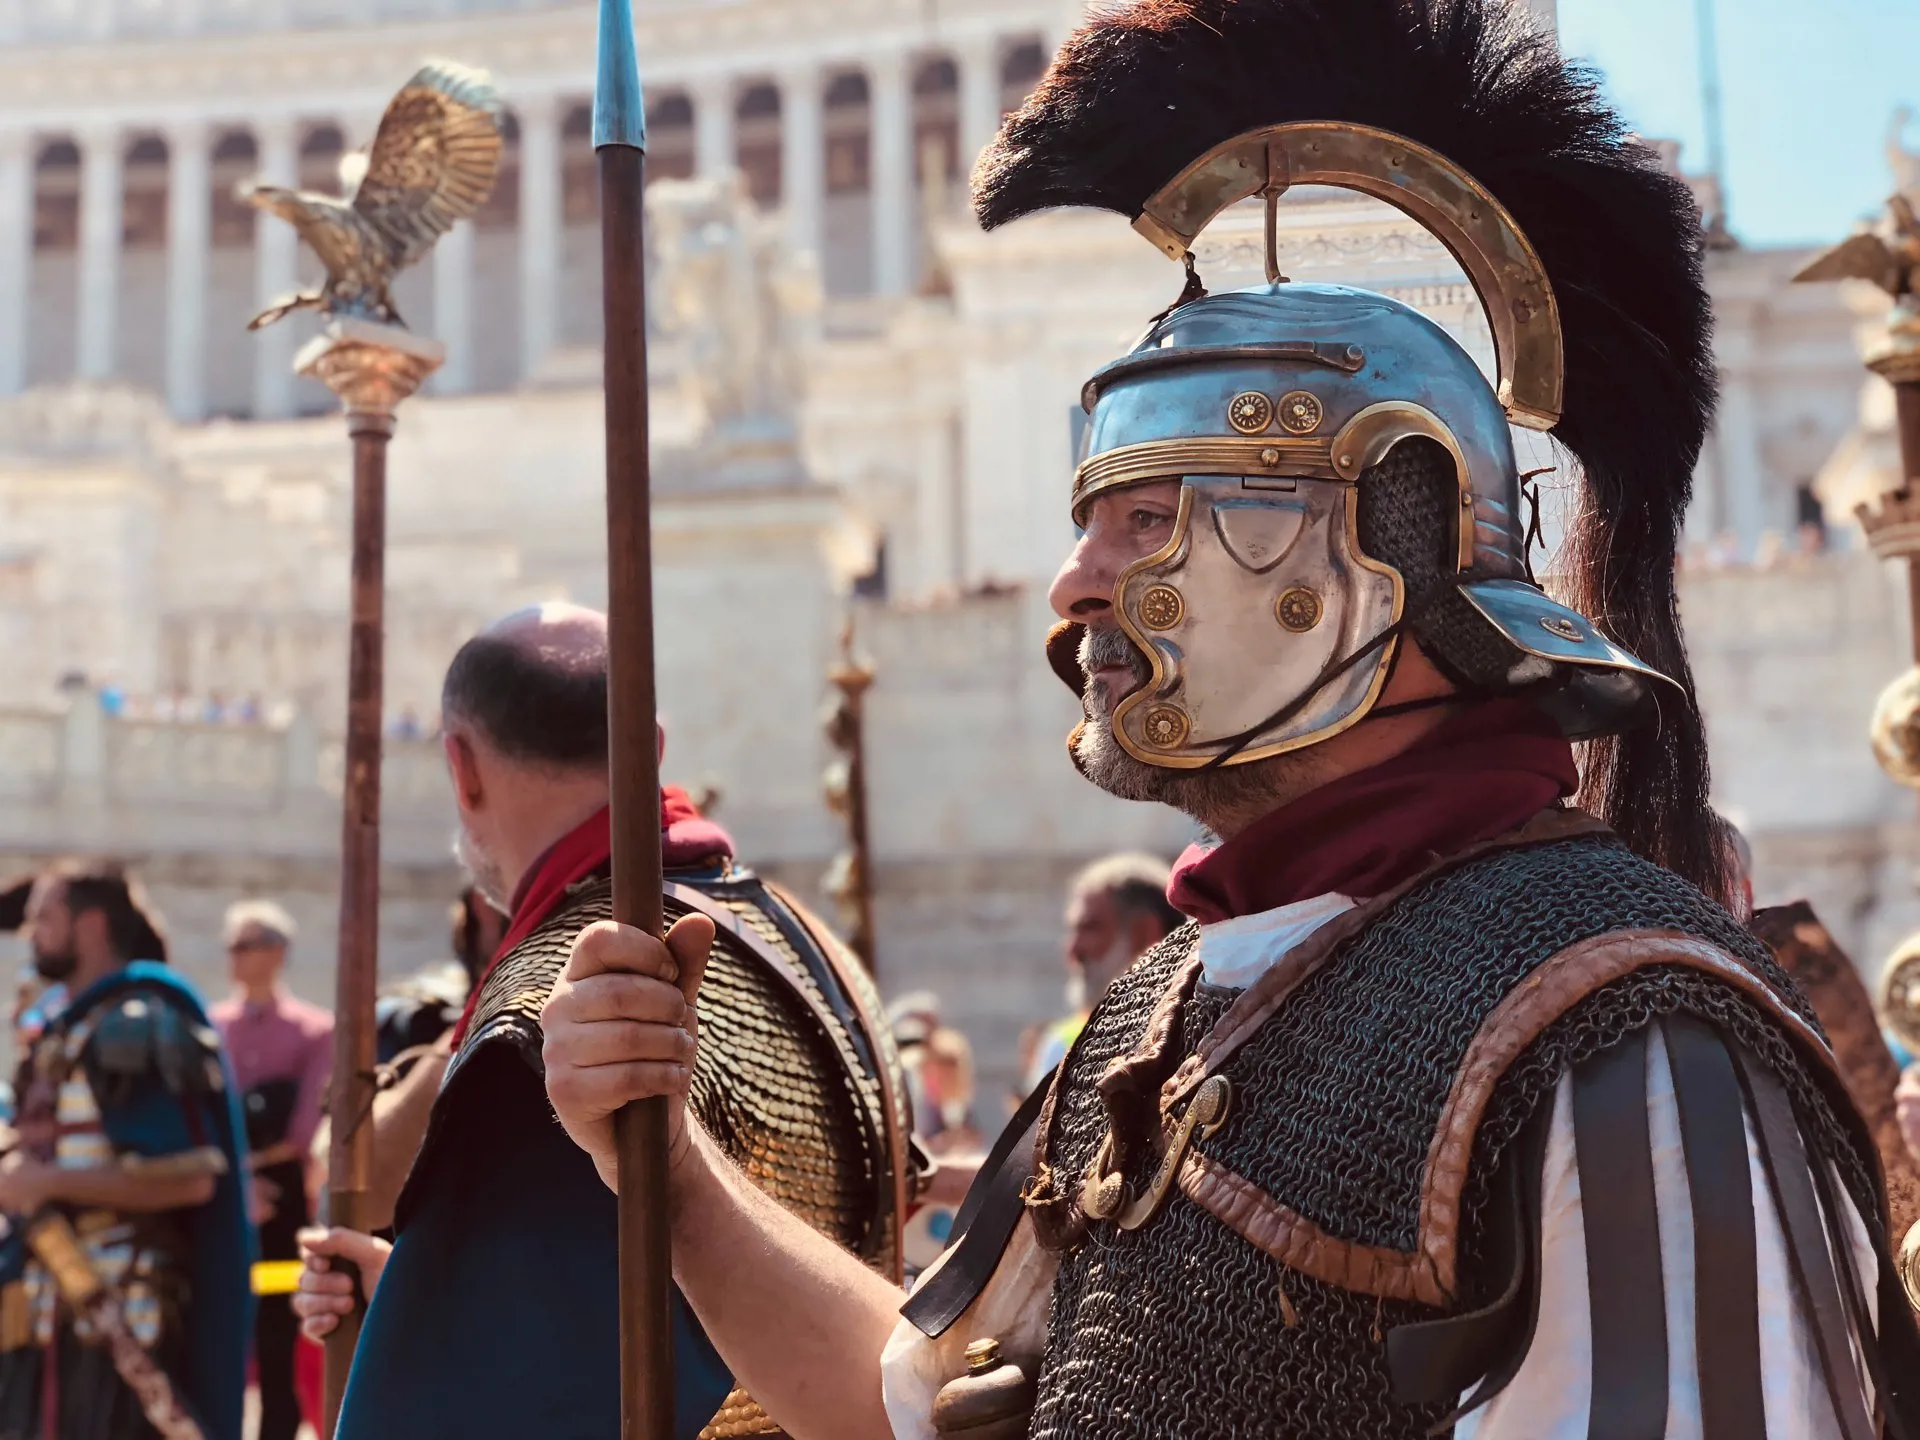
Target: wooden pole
point(847, 732)
point(640, 1130)
point(350, 1161)
point(372, 368)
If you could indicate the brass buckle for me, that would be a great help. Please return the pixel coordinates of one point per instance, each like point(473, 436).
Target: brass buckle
point(1104, 1194)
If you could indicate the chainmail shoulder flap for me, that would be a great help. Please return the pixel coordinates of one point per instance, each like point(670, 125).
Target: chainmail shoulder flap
point(1182, 1328)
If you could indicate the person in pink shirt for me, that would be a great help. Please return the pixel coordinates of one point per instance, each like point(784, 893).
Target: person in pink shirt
point(282, 1051)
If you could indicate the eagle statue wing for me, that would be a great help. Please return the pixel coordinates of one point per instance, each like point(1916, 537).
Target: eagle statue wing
point(1860, 257)
point(434, 158)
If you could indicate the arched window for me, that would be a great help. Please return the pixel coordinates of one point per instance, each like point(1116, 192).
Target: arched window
point(236, 158)
point(848, 91)
point(143, 213)
point(235, 145)
point(672, 111)
point(758, 102)
point(322, 142)
point(938, 76)
point(1024, 64)
point(756, 140)
point(56, 196)
point(670, 137)
point(61, 154)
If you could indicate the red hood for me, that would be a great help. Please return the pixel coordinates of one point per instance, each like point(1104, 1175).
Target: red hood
point(688, 840)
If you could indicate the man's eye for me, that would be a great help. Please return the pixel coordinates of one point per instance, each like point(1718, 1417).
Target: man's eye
point(1147, 519)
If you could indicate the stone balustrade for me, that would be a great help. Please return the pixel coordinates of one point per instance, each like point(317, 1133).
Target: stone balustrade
point(80, 780)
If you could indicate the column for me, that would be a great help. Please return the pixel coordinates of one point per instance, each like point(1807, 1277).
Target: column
point(276, 270)
point(539, 230)
point(189, 227)
point(803, 157)
point(453, 308)
point(714, 153)
point(1743, 475)
point(890, 152)
point(979, 64)
point(101, 156)
point(16, 256)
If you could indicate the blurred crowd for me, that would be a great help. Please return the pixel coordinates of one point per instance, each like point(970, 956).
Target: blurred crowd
point(218, 707)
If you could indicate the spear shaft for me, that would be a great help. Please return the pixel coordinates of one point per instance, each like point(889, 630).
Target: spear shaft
point(640, 1130)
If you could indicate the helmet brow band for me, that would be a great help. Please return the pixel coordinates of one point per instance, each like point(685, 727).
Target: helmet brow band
point(1263, 456)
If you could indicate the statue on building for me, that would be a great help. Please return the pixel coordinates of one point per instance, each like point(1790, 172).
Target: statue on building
point(432, 164)
point(731, 306)
point(1902, 161)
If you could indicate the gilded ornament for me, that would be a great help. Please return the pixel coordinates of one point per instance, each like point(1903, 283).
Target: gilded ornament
point(1250, 412)
point(1166, 727)
point(1908, 1267)
point(1301, 412)
point(1299, 609)
point(1559, 625)
point(1161, 608)
point(1896, 729)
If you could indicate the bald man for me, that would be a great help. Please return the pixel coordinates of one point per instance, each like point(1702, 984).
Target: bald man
point(486, 1315)
point(494, 1312)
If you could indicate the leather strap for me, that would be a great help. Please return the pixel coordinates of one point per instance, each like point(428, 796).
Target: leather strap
point(875, 1028)
point(1791, 1178)
point(985, 1223)
point(1625, 1289)
point(1713, 1136)
point(1433, 1362)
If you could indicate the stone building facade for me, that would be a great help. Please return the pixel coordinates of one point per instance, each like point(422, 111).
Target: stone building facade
point(862, 405)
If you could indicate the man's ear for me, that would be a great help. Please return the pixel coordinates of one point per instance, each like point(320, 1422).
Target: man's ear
point(464, 766)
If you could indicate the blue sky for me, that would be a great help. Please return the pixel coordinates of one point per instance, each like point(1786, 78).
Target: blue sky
point(1808, 85)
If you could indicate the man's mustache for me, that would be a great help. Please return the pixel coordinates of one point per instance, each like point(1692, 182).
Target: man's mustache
point(1108, 647)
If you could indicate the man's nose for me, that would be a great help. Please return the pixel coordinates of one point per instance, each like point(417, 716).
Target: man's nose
point(1083, 590)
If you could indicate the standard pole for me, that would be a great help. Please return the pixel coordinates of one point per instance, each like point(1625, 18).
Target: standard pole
point(350, 1160)
point(640, 1130)
point(1901, 369)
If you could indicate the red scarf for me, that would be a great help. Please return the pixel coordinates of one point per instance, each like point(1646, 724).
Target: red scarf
point(1486, 771)
point(687, 840)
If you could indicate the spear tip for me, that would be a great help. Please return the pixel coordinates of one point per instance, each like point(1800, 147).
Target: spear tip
point(619, 109)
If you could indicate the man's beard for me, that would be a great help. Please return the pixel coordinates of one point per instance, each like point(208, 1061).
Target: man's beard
point(54, 965)
point(1227, 796)
point(482, 870)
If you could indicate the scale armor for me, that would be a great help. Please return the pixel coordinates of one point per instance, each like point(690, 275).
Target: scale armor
point(1183, 1327)
point(795, 1074)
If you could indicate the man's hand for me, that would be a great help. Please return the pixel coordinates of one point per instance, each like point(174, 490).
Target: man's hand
point(263, 1200)
point(25, 1184)
point(325, 1294)
point(1906, 1098)
point(620, 1026)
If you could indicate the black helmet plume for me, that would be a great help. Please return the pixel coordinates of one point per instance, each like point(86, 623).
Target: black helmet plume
point(1146, 88)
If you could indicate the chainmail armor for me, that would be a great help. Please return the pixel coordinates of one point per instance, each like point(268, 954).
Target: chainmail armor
point(1180, 1328)
point(1409, 519)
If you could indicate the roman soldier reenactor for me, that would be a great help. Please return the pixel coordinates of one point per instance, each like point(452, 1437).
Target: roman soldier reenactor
point(1459, 1108)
